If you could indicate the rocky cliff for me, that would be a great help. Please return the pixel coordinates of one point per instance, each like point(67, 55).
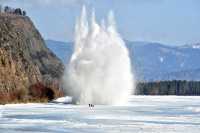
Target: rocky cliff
point(26, 64)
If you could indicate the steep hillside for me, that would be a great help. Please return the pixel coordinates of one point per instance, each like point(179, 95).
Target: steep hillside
point(155, 61)
point(25, 61)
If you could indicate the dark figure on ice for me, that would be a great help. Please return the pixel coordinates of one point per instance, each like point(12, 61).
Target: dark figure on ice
point(91, 105)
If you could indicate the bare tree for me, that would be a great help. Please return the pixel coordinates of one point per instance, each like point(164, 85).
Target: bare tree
point(24, 13)
point(18, 11)
point(7, 9)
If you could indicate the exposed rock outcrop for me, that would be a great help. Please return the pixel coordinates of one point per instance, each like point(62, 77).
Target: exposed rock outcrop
point(24, 58)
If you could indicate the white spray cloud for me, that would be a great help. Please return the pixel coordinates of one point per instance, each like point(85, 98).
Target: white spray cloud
point(99, 71)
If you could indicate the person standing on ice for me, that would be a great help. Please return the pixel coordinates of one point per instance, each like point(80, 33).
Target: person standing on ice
point(91, 105)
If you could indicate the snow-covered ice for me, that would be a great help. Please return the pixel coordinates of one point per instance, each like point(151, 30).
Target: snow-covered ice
point(66, 100)
point(143, 114)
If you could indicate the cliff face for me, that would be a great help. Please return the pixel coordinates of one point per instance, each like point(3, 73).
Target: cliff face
point(25, 61)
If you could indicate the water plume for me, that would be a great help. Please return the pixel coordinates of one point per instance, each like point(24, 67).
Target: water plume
point(99, 71)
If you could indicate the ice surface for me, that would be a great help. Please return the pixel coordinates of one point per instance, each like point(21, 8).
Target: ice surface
point(144, 114)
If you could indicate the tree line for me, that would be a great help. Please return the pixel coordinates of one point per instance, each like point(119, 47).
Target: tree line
point(175, 87)
point(10, 10)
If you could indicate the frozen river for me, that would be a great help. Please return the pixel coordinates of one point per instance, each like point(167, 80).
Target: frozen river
point(143, 114)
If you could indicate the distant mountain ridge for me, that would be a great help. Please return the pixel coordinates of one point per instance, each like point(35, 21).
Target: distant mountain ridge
point(151, 61)
point(62, 49)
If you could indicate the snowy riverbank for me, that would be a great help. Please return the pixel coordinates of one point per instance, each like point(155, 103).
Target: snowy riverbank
point(166, 114)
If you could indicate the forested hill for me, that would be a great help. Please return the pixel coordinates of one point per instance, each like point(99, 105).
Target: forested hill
point(175, 87)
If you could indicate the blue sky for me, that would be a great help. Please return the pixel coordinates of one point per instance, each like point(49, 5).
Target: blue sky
point(173, 22)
